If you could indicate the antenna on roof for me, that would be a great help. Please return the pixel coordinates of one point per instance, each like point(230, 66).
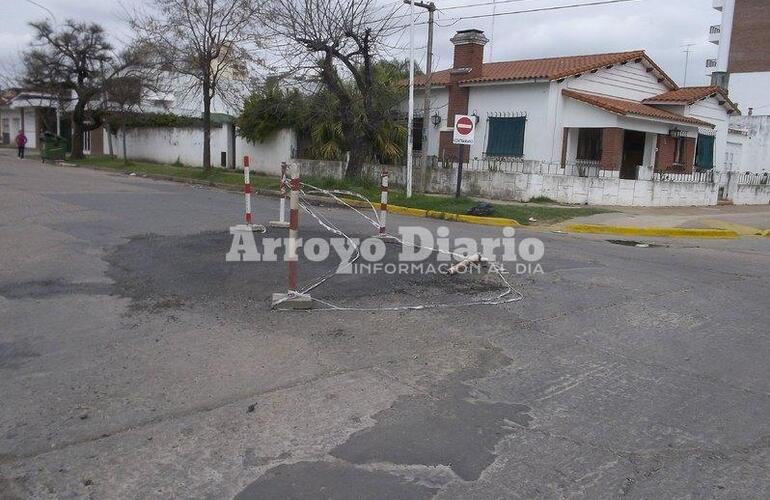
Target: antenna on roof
point(687, 51)
point(492, 34)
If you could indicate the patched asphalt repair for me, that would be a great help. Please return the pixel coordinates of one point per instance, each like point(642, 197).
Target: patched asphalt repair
point(451, 427)
point(625, 371)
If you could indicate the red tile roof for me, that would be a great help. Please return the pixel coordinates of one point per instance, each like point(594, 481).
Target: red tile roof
point(553, 68)
point(689, 95)
point(634, 108)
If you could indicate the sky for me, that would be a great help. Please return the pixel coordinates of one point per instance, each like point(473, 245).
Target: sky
point(661, 27)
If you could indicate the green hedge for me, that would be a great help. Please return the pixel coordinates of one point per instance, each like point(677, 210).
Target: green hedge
point(155, 120)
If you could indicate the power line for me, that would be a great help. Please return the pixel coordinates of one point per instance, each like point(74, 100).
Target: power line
point(543, 9)
point(525, 11)
point(44, 8)
point(482, 4)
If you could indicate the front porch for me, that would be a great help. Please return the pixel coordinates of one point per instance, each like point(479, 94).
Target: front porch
point(630, 140)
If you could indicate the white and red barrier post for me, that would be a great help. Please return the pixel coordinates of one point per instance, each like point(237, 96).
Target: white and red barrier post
point(247, 192)
point(384, 203)
point(292, 299)
point(293, 230)
point(249, 226)
point(281, 222)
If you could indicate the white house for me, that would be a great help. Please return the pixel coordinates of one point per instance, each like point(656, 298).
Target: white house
point(30, 111)
point(35, 113)
point(615, 111)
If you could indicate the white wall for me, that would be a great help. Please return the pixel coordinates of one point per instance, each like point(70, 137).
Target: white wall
point(169, 145)
point(627, 81)
point(578, 190)
point(267, 156)
point(755, 155)
point(750, 195)
point(31, 128)
point(529, 98)
point(711, 111)
point(439, 97)
point(521, 186)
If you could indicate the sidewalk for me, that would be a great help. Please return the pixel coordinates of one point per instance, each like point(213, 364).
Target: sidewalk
point(735, 221)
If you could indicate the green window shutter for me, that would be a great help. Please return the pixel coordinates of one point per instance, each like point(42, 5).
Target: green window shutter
point(506, 136)
point(704, 153)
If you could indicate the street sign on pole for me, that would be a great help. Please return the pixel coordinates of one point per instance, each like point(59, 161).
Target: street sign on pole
point(465, 130)
point(464, 135)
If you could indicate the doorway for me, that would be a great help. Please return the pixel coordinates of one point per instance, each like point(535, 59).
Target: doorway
point(633, 154)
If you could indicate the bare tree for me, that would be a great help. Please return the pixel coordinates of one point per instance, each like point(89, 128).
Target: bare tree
point(124, 96)
point(75, 63)
point(344, 39)
point(205, 46)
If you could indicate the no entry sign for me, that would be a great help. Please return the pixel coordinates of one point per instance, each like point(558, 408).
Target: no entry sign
point(465, 130)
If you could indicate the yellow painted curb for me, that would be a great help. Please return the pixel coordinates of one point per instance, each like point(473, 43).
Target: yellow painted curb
point(434, 214)
point(741, 229)
point(665, 232)
point(415, 212)
point(488, 221)
point(469, 219)
point(356, 203)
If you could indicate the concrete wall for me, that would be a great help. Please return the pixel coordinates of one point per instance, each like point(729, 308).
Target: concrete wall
point(267, 156)
point(748, 189)
point(185, 145)
point(520, 186)
point(755, 153)
point(750, 195)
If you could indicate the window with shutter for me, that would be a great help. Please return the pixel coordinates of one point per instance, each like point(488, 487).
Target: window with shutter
point(704, 152)
point(506, 136)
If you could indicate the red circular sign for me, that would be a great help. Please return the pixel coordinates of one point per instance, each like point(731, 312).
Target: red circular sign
point(464, 126)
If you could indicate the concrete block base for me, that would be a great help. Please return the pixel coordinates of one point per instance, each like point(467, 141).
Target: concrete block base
point(278, 224)
point(250, 228)
point(298, 303)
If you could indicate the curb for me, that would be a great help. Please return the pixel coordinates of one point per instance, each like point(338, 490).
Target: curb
point(665, 232)
point(468, 219)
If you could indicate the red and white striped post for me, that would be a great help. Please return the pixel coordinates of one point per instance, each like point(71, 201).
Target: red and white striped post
point(293, 228)
point(249, 226)
point(383, 203)
point(247, 191)
point(292, 299)
point(281, 222)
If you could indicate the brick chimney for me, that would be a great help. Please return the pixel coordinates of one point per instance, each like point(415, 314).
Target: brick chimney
point(468, 63)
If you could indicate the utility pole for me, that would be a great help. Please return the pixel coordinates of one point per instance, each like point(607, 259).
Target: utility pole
point(410, 121)
point(431, 8)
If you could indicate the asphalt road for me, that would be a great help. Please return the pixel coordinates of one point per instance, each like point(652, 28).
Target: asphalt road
point(135, 363)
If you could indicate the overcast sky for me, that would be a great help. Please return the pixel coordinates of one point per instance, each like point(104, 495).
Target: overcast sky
point(661, 27)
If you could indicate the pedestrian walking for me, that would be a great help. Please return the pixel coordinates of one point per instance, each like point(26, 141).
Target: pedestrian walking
point(21, 143)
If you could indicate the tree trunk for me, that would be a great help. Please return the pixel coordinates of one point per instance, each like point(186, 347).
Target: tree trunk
point(125, 151)
point(110, 148)
point(206, 127)
point(356, 160)
point(77, 139)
